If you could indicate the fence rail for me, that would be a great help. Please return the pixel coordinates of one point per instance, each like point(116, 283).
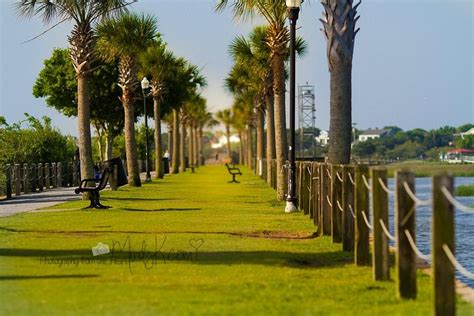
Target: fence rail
point(337, 199)
point(37, 177)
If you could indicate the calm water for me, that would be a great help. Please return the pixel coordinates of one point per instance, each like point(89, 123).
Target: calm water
point(464, 224)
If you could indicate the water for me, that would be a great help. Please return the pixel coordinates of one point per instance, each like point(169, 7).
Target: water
point(464, 223)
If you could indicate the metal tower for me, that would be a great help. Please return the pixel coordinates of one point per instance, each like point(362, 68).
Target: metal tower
point(307, 117)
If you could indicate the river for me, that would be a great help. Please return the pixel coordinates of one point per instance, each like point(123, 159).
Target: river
point(464, 223)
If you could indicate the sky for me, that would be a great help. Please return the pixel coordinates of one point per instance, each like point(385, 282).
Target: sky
point(413, 59)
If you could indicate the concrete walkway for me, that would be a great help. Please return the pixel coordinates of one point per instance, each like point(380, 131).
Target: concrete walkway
point(34, 201)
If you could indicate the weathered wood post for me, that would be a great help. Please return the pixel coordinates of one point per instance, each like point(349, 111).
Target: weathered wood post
point(8, 187)
point(336, 198)
point(47, 176)
point(405, 258)
point(315, 192)
point(348, 206)
point(59, 174)
point(305, 185)
point(361, 231)
point(17, 179)
point(54, 175)
point(33, 177)
point(325, 195)
point(381, 251)
point(26, 179)
point(40, 177)
point(443, 234)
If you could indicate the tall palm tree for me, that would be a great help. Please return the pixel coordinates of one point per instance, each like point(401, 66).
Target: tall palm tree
point(225, 117)
point(339, 21)
point(161, 65)
point(123, 38)
point(82, 39)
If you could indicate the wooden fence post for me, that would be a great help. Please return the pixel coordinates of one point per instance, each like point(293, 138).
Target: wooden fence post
point(59, 174)
point(17, 179)
point(405, 209)
point(26, 179)
point(315, 193)
point(443, 234)
point(361, 231)
point(54, 175)
point(336, 197)
point(325, 195)
point(381, 251)
point(33, 177)
point(8, 188)
point(47, 176)
point(305, 184)
point(40, 177)
point(347, 205)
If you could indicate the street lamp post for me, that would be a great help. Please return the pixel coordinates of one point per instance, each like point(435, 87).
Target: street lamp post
point(145, 85)
point(293, 11)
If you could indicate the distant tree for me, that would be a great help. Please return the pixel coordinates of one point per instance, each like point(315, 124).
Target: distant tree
point(466, 142)
point(225, 117)
point(464, 128)
point(364, 149)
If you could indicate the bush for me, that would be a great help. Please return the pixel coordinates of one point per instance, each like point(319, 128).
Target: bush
point(465, 190)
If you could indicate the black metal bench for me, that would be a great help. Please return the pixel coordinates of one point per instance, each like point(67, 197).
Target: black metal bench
point(94, 191)
point(233, 171)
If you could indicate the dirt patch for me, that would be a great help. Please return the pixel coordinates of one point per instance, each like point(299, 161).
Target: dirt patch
point(280, 235)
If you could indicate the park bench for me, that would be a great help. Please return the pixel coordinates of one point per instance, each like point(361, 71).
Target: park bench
point(94, 191)
point(233, 171)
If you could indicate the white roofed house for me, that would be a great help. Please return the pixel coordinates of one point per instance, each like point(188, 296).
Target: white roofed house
point(373, 134)
point(323, 138)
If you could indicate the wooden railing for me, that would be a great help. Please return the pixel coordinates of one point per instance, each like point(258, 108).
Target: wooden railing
point(338, 200)
point(27, 178)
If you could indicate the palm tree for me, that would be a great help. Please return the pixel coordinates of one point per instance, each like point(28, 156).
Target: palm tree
point(161, 65)
point(82, 41)
point(275, 13)
point(123, 38)
point(225, 117)
point(339, 21)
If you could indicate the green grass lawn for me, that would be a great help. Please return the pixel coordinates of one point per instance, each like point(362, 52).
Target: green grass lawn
point(427, 168)
point(188, 244)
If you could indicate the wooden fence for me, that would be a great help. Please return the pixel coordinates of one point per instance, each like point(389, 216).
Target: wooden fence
point(338, 200)
point(28, 178)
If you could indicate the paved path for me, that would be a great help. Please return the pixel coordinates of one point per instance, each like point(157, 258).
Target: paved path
point(34, 201)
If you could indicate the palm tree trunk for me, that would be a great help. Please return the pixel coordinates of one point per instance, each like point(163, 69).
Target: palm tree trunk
point(191, 145)
point(196, 145)
point(84, 128)
point(340, 126)
point(109, 144)
point(281, 147)
point(260, 140)
point(200, 146)
point(176, 146)
point(241, 148)
point(130, 144)
point(182, 145)
point(229, 152)
point(159, 171)
point(249, 147)
point(270, 154)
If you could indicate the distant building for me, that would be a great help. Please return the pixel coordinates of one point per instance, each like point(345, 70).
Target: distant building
point(373, 134)
point(459, 155)
point(222, 141)
point(469, 132)
point(323, 138)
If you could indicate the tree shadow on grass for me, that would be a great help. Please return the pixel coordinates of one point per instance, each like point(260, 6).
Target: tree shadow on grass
point(134, 199)
point(52, 276)
point(192, 254)
point(161, 209)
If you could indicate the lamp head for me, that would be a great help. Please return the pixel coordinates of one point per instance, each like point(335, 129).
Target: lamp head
point(293, 4)
point(145, 83)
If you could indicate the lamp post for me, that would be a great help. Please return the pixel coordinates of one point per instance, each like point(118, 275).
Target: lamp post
point(145, 85)
point(293, 11)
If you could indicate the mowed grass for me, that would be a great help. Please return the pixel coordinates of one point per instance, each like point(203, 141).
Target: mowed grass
point(188, 244)
point(427, 169)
